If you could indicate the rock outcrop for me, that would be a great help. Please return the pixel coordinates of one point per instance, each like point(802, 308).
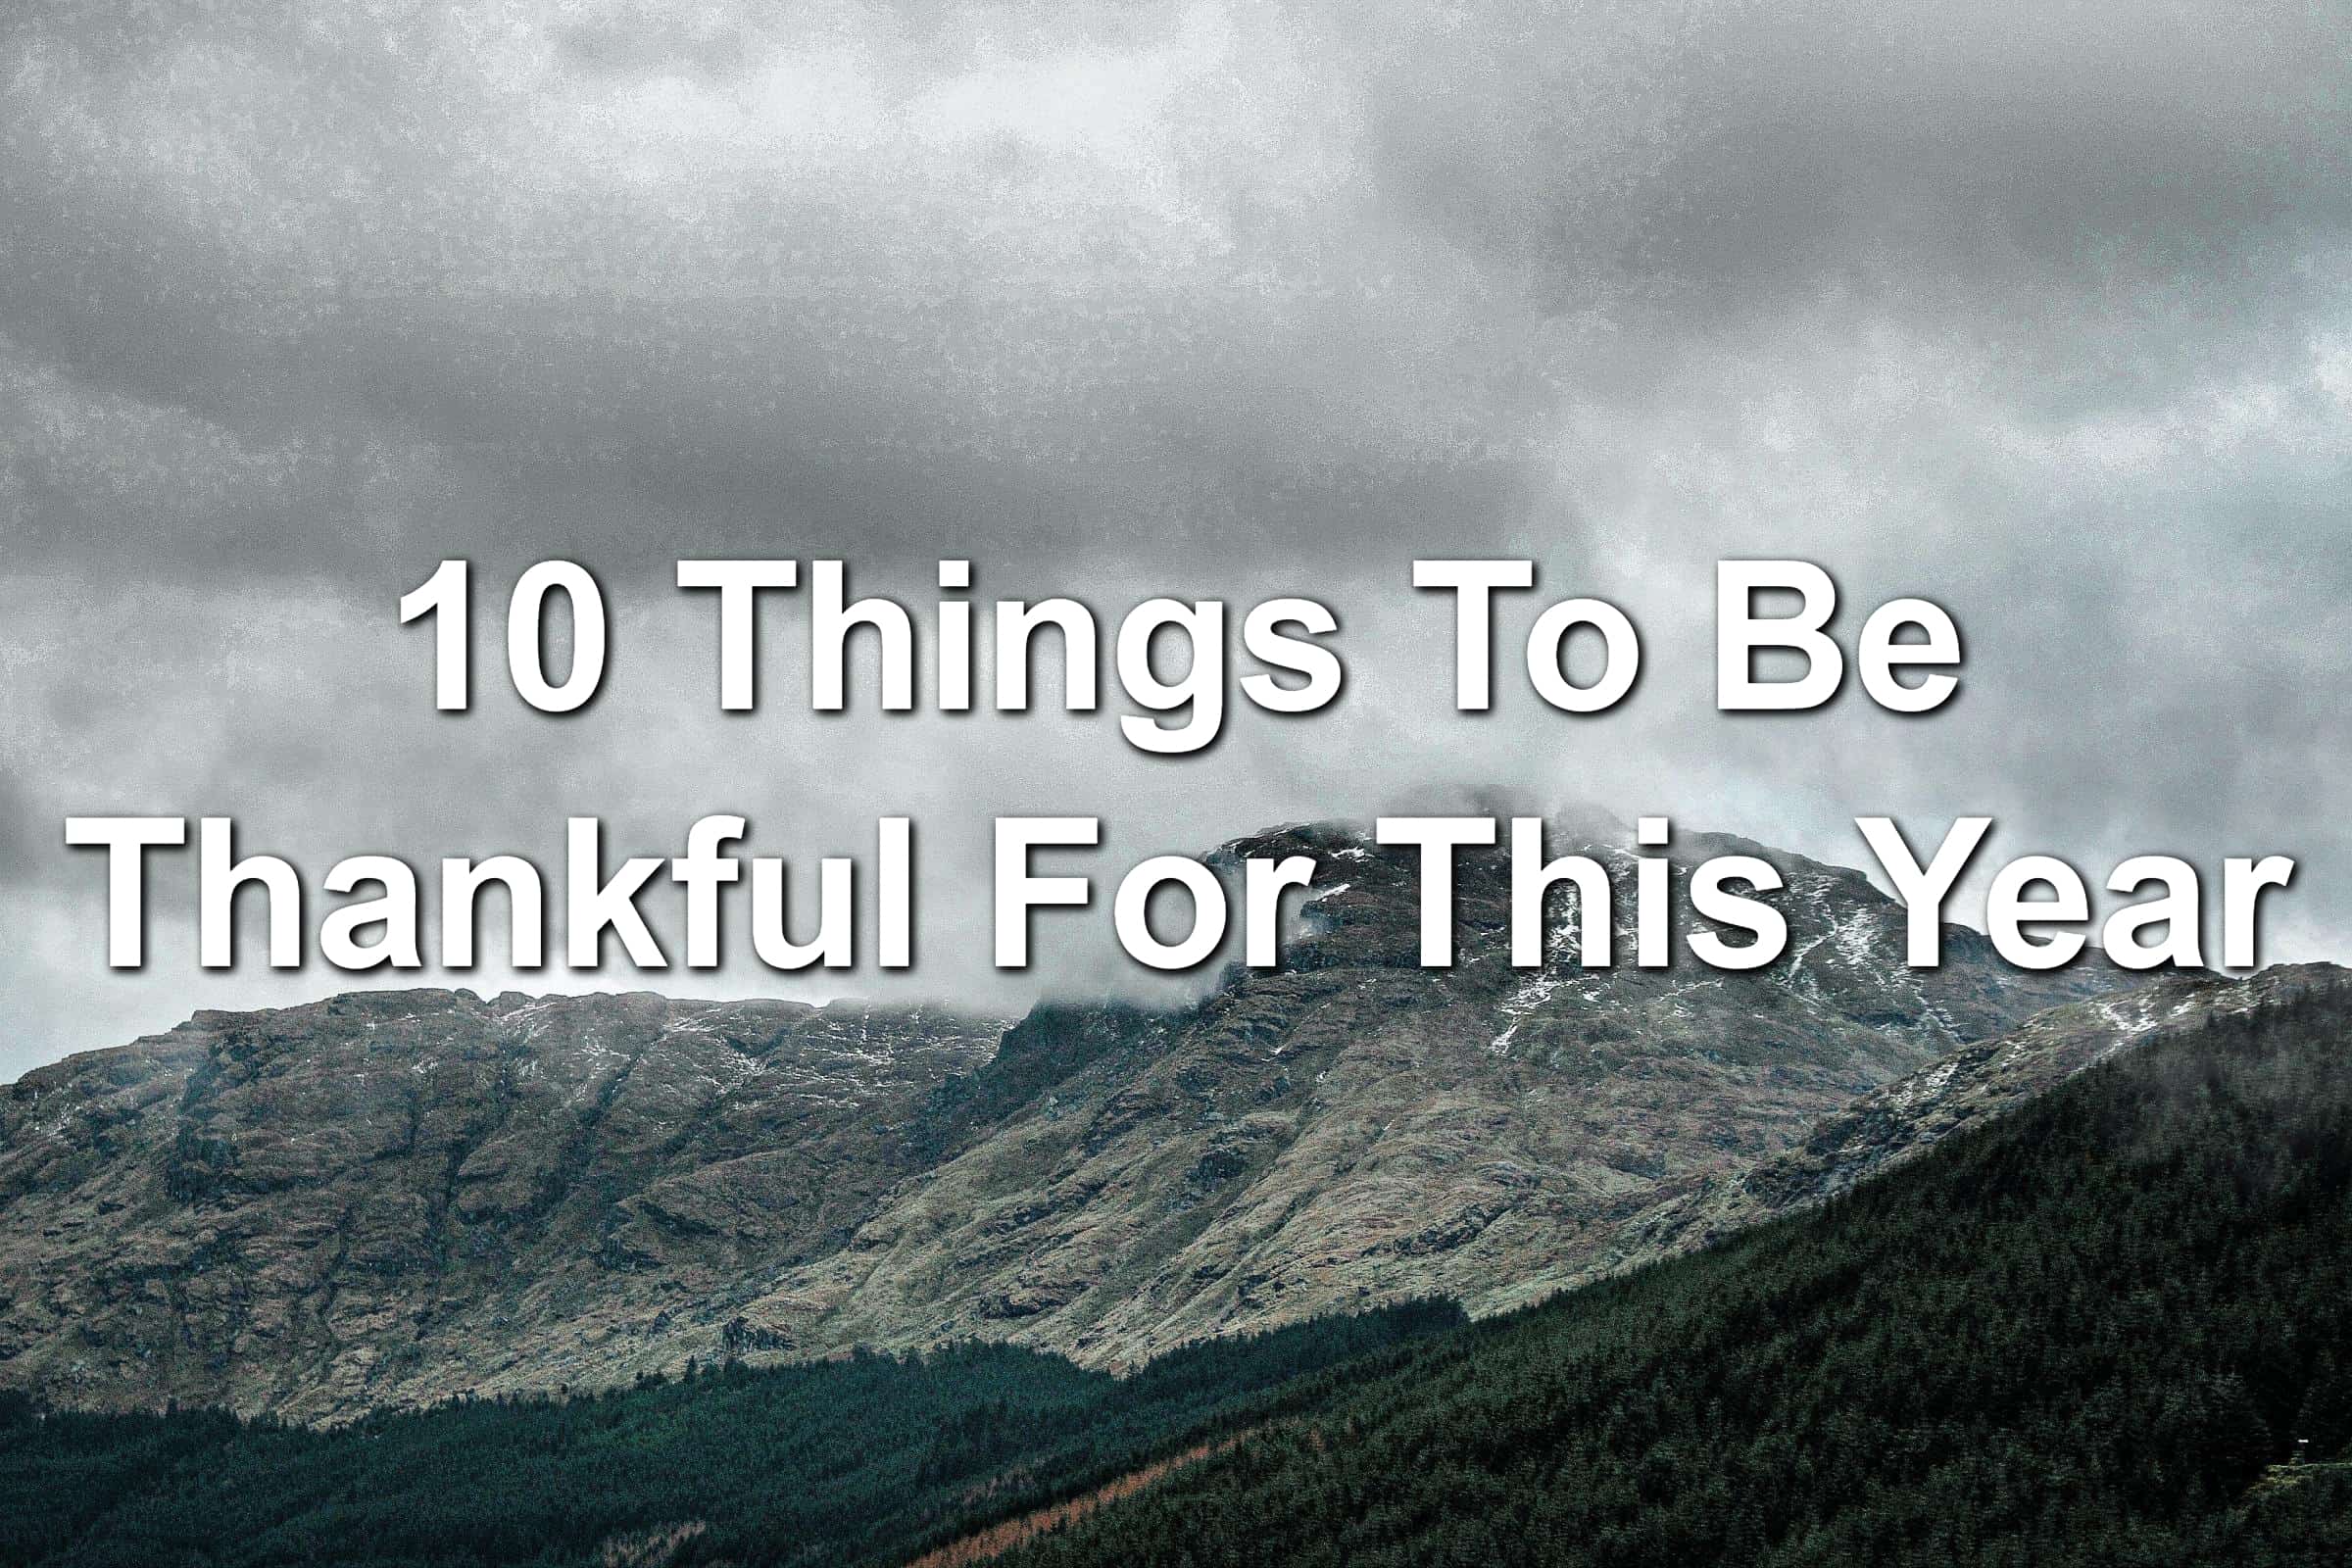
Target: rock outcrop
point(404, 1197)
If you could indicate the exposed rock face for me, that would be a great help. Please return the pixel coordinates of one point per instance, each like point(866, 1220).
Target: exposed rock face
point(397, 1198)
point(1970, 1086)
point(1355, 1128)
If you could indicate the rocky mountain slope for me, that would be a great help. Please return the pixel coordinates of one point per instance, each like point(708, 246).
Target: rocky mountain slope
point(396, 1197)
point(403, 1195)
point(1974, 1084)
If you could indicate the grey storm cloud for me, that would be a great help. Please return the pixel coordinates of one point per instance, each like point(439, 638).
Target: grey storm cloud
point(2038, 311)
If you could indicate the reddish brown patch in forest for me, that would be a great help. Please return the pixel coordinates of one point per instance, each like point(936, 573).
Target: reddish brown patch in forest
point(998, 1539)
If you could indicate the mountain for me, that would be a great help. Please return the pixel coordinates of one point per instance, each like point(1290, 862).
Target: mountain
point(1976, 1083)
point(1353, 1128)
point(2100, 1329)
point(397, 1196)
point(2080, 1326)
point(392, 1199)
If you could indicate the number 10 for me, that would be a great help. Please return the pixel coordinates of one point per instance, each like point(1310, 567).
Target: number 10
point(448, 596)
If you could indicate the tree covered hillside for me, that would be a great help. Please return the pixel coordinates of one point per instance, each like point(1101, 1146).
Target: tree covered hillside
point(866, 1458)
point(2080, 1335)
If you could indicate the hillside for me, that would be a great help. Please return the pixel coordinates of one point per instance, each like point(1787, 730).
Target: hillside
point(1906, 1118)
point(392, 1199)
point(400, 1197)
point(866, 1458)
point(2084, 1328)
point(2081, 1334)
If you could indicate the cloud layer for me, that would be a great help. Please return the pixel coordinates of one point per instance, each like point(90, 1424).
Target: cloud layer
point(2041, 312)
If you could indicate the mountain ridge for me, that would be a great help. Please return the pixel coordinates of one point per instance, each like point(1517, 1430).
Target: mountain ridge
point(395, 1198)
point(1977, 1083)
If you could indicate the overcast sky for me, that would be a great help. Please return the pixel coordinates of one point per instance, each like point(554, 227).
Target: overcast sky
point(2041, 312)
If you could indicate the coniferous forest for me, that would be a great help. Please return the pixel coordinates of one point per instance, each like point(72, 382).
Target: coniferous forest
point(2094, 1332)
point(866, 1458)
point(2081, 1336)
